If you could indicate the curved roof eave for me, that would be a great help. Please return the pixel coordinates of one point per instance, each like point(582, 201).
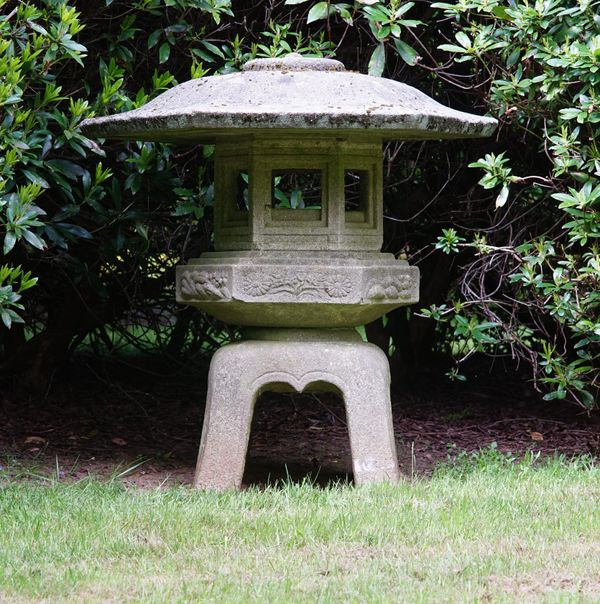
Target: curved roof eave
point(294, 95)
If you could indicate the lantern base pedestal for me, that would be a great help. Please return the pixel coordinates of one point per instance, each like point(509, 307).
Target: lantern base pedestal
point(297, 360)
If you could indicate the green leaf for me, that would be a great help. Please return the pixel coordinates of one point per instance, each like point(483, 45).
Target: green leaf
point(213, 48)
point(177, 28)
point(6, 319)
point(502, 197)
point(451, 48)
point(72, 45)
point(410, 22)
point(377, 61)
point(569, 113)
point(75, 230)
point(38, 28)
point(463, 39)
point(321, 10)
point(345, 14)
point(296, 199)
point(163, 52)
point(403, 9)
point(34, 240)
point(501, 12)
point(153, 38)
point(588, 398)
point(513, 58)
point(557, 394)
point(409, 55)
point(376, 14)
point(9, 241)
point(205, 56)
point(36, 178)
point(142, 230)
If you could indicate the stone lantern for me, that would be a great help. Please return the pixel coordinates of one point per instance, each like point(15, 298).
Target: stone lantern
point(297, 237)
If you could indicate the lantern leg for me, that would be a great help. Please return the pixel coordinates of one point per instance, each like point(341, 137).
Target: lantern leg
point(369, 417)
point(227, 423)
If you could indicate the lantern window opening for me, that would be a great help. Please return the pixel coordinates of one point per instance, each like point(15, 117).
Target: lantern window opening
point(357, 190)
point(297, 189)
point(233, 197)
point(242, 197)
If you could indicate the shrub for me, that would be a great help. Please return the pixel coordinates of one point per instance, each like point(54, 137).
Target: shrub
point(532, 280)
point(92, 229)
point(100, 224)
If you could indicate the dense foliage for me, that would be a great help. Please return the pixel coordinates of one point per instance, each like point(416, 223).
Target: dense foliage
point(510, 268)
point(541, 62)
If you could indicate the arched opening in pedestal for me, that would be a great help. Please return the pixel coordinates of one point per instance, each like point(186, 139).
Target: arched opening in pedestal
point(299, 436)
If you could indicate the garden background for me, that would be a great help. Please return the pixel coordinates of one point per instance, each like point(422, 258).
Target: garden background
point(496, 371)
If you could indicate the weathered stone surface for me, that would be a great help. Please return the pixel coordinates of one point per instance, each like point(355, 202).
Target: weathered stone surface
point(293, 93)
point(280, 361)
point(333, 226)
point(281, 268)
point(297, 289)
point(294, 62)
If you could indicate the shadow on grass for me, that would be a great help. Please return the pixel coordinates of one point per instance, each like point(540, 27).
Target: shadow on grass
point(262, 473)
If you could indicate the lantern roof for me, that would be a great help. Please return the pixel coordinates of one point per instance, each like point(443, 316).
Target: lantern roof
point(292, 95)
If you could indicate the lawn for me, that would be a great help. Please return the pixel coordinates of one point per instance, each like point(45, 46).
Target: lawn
point(484, 529)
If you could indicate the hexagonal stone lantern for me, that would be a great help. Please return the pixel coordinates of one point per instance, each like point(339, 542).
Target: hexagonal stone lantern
point(298, 233)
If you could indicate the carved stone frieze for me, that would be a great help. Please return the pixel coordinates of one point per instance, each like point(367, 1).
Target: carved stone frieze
point(396, 288)
point(296, 284)
point(206, 285)
point(300, 290)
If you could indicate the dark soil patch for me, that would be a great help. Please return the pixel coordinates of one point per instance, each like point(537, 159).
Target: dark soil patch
point(104, 426)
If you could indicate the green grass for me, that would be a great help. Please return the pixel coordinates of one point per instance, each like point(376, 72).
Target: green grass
point(482, 529)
